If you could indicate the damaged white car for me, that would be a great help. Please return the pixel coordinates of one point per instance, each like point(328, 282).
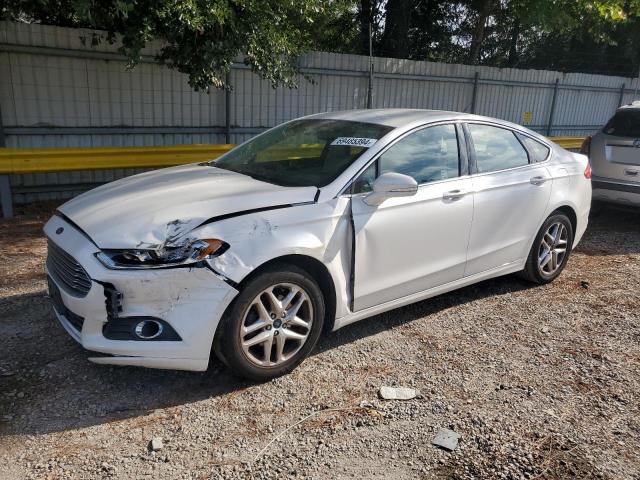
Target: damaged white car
point(308, 227)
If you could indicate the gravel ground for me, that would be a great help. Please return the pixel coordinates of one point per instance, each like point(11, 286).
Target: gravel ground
point(540, 382)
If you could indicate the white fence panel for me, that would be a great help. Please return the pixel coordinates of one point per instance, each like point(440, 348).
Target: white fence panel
point(56, 91)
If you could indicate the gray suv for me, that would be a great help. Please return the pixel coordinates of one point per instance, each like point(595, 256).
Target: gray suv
point(615, 157)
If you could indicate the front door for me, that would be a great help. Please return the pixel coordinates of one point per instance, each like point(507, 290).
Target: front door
point(410, 244)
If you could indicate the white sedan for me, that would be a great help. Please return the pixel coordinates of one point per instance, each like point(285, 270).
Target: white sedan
point(306, 228)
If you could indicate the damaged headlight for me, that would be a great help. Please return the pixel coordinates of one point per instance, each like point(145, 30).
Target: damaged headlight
point(189, 252)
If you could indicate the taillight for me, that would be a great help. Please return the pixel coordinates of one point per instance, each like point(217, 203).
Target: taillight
point(587, 171)
point(585, 148)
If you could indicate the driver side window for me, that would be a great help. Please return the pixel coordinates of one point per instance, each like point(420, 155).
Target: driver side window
point(428, 155)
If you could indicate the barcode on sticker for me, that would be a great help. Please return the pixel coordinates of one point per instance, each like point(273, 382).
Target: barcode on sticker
point(354, 142)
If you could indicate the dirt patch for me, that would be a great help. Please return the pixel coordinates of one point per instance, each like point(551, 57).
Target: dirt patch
point(541, 382)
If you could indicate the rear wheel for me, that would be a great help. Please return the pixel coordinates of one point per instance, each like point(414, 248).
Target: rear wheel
point(550, 250)
point(273, 324)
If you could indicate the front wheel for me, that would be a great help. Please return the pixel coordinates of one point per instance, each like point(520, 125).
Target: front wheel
point(272, 325)
point(550, 250)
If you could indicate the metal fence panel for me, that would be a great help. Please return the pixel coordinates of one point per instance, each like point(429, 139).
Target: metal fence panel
point(57, 91)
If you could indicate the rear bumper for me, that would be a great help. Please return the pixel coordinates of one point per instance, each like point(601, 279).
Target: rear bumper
point(616, 191)
point(190, 300)
point(601, 183)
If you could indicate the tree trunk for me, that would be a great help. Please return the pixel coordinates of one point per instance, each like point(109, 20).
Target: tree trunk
point(395, 41)
point(365, 20)
point(513, 47)
point(477, 38)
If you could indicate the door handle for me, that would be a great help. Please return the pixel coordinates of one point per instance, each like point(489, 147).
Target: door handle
point(631, 173)
point(453, 195)
point(539, 180)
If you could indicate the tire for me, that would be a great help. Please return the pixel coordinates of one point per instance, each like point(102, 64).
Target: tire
point(246, 322)
point(536, 270)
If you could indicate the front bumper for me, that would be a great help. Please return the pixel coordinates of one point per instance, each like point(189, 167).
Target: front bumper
point(191, 300)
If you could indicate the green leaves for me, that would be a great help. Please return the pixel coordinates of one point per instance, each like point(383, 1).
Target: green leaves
point(202, 38)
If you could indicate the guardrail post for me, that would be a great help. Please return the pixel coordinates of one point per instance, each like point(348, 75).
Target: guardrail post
point(474, 95)
point(621, 99)
point(3, 143)
point(5, 184)
point(553, 106)
point(5, 196)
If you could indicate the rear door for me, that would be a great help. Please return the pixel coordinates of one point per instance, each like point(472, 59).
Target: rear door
point(511, 193)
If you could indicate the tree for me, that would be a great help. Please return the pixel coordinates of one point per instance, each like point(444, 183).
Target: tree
point(395, 40)
point(567, 35)
point(370, 15)
point(58, 12)
point(337, 30)
point(483, 10)
point(582, 36)
point(199, 38)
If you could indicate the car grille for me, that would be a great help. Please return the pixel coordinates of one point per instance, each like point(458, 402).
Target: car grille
point(75, 320)
point(69, 273)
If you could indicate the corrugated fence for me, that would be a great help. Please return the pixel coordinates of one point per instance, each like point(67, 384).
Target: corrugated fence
point(56, 91)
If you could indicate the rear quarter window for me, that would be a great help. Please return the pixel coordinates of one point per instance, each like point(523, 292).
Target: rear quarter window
point(537, 151)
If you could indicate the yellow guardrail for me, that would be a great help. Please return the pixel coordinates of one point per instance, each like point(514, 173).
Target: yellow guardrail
point(296, 152)
point(572, 143)
point(39, 160)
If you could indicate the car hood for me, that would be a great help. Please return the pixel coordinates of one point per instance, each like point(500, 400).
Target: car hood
point(148, 209)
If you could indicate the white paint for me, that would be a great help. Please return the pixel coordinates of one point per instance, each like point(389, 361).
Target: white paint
point(418, 242)
point(408, 248)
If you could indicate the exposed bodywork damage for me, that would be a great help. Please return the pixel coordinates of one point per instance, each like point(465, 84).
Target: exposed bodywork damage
point(175, 243)
point(258, 238)
point(248, 212)
point(190, 299)
point(149, 209)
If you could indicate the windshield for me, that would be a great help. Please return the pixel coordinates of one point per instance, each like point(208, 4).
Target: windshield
point(303, 152)
point(625, 123)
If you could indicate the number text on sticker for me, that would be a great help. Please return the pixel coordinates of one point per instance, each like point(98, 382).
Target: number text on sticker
point(354, 142)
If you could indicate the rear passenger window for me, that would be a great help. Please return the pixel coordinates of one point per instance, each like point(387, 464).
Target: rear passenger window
point(428, 155)
point(496, 148)
point(625, 123)
point(537, 150)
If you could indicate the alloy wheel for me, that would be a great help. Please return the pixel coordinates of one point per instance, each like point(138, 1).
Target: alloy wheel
point(553, 248)
point(276, 325)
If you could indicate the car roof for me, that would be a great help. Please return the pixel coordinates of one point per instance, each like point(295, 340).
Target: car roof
point(632, 105)
point(399, 117)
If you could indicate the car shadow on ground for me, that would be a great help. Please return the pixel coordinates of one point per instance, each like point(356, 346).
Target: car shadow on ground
point(47, 385)
point(612, 230)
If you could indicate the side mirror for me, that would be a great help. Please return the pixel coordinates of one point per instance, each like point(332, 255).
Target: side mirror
point(390, 185)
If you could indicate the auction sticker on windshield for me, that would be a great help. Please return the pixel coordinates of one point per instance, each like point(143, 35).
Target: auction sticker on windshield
point(354, 142)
